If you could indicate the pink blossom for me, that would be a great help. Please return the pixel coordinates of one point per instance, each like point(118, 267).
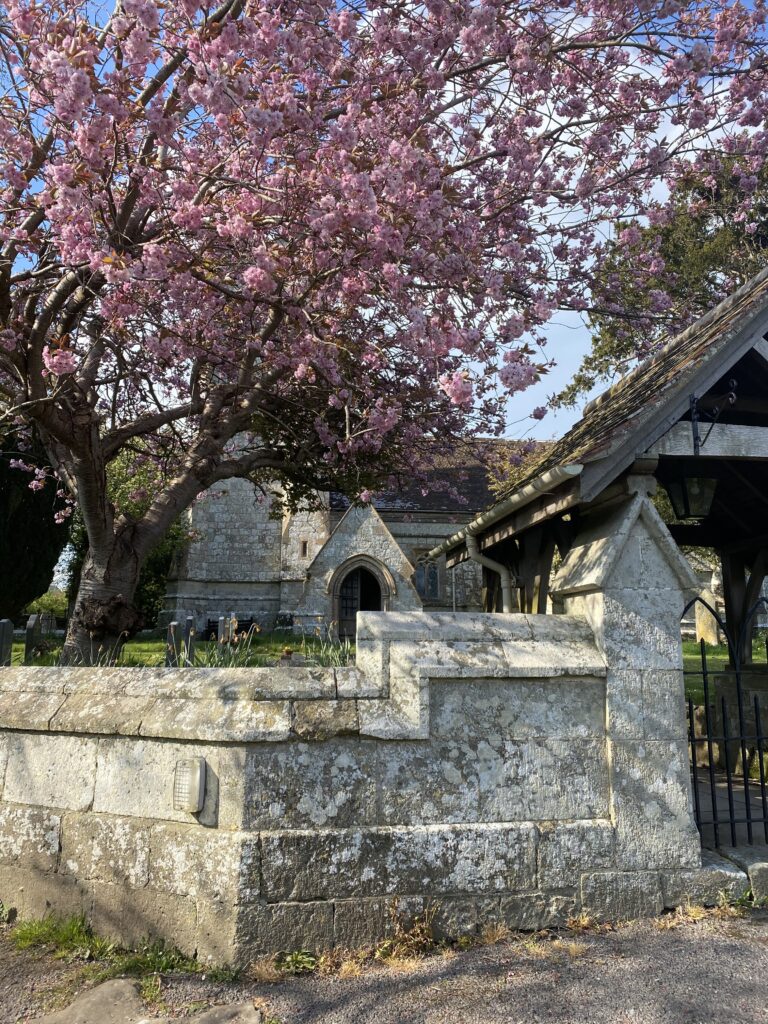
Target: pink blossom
point(458, 388)
point(59, 360)
point(341, 229)
point(259, 280)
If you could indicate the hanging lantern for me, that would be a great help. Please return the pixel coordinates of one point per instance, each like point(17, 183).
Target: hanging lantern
point(691, 496)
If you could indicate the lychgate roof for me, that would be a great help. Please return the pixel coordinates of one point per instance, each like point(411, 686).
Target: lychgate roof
point(637, 418)
point(659, 387)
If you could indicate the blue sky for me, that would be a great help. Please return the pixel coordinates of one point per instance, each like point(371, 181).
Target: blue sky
point(568, 342)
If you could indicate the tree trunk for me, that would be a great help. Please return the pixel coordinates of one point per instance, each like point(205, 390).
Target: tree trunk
point(104, 616)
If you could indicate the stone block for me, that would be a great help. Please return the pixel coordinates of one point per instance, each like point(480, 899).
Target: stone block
point(33, 679)
point(428, 860)
point(353, 682)
point(652, 805)
point(221, 720)
point(424, 784)
point(716, 879)
point(359, 923)
point(403, 718)
point(50, 771)
point(621, 896)
point(107, 848)
point(3, 760)
point(216, 936)
point(290, 683)
point(567, 850)
point(29, 836)
point(26, 893)
point(547, 658)
point(86, 712)
point(131, 916)
point(265, 928)
point(31, 711)
point(624, 703)
point(371, 665)
point(135, 777)
point(517, 709)
point(455, 659)
point(642, 629)
point(204, 863)
point(542, 779)
point(530, 911)
point(274, 683)
point(178, 683)
point(456, 626)
point(322, 719)
point(664, 708)
point(102, 680)
point(456, 916)
point(554, 628)
point(753, 860)
point(306, 785)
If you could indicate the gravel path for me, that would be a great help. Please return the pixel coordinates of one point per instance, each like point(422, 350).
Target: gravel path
point(714, 970)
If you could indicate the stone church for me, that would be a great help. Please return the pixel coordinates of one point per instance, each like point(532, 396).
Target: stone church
point(318, 569)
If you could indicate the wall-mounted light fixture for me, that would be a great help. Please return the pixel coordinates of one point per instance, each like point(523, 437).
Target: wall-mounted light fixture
point(189, 785)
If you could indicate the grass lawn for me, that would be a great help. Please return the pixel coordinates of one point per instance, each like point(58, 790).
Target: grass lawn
point(258, 649)
point(717, 659)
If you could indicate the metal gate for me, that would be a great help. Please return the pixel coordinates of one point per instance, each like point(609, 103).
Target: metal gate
point(727, 726)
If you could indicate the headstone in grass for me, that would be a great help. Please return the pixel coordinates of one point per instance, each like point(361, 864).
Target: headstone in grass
point(6, 642)
point(189, 640)
point(706, 624)
point(32, 637)
point(172, 645)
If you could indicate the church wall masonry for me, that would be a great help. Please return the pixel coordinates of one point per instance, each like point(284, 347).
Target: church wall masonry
point(505, 768)
point(278, 571)
point(233, 562)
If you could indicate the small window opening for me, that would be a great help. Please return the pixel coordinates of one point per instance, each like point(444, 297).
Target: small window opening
point(304, 548)
point(427, 581)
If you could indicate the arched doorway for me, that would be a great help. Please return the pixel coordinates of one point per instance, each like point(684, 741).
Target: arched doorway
point(360, 584)
point(359, 592)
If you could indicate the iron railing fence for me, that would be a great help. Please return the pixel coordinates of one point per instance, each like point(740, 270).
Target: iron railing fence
point(727, 740)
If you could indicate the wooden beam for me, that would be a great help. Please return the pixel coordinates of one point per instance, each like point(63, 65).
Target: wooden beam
point(695, 535)
point(548, 507)
point(761, 349)
point(723, 441)
point(761, 496)
point(742, 584)
point(703, 535)
point(456, 557)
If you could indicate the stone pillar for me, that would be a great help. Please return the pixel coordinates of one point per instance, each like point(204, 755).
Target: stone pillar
point(627, 578)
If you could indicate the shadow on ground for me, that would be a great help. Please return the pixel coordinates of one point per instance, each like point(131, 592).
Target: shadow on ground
point(713, 970)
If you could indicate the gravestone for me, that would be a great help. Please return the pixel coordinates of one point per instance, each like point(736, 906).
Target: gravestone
point(706, 624)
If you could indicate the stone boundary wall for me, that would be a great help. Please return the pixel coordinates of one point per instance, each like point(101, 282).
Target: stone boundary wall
point(466, 760)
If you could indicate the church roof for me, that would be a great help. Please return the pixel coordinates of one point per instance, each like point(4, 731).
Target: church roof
point(467, 470)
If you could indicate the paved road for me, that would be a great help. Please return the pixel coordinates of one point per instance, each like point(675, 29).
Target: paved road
point(711, 972)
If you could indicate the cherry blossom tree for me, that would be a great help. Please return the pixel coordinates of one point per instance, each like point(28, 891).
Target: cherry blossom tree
point(295, 239)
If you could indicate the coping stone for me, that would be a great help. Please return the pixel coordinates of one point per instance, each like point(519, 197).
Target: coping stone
point(705, 886)
point(753, 860)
